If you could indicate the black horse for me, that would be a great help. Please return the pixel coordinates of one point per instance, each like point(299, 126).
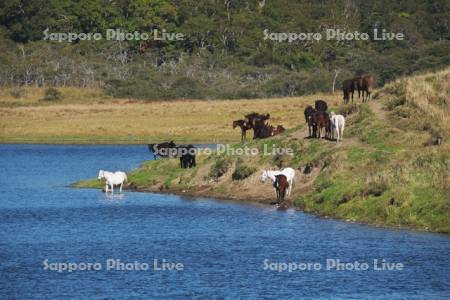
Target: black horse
point(321, 105)
point(166, 149)
point(187, 156)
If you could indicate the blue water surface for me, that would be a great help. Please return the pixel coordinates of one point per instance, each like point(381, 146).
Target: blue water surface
point(222, 246)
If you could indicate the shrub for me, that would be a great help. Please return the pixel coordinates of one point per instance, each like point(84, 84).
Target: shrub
point(300, 203)
point(347, 109)
point(158, 87)
point(242, 171)
point(396, 101)
point(52, 94)
point(17, 92)
point(279, 160)
point(219, 168)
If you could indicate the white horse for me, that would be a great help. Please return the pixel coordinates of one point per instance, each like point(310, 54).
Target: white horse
point(338, 124)
point(117, 178)
point(288, 172)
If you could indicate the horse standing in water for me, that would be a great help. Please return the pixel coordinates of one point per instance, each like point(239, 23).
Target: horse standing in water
point(117, 178)
point(288, 172)
point(281, 184)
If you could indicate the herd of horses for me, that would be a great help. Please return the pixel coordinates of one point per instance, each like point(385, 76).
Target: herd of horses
point(318, 119)
point(363, 84)
point(320, 124)
point(186, 153)
point(260, 125)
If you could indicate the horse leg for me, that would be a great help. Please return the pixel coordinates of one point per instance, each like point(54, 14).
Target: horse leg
point(120, 191)
point(112, 189)
point(291, 184)
point(106, 187)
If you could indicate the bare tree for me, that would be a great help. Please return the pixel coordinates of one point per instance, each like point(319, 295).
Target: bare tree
point(336, 73)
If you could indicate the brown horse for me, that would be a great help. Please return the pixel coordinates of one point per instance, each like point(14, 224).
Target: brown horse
point(281, 185)
point(367, 83)
point(358, 85)
point(279, 130)
point(244, 125)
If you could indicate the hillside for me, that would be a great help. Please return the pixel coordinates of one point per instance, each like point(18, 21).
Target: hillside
point(229, 49)
point(381, 174)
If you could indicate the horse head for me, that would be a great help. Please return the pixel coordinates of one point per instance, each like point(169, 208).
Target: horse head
point(264, 176)
point(101, 174)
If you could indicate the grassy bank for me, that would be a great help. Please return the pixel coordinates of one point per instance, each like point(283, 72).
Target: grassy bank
point(87, 116)
point(381, 174)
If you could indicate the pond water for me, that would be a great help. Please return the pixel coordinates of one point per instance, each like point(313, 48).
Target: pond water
point(225, 250)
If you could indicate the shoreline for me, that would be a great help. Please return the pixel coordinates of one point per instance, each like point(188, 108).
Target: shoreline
point(264, 203)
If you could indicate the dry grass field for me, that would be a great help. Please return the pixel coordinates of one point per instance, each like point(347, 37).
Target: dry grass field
point(88, 116)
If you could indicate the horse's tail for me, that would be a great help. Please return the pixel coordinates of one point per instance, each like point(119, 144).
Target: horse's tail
point(125, 177)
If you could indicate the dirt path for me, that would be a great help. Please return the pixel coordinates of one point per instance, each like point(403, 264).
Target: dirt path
point(377, 109)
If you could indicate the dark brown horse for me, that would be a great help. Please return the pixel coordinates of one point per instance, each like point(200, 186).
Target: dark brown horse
point(258, 122)
point(309, 110)
point(348, 88)
point(244, 125)
point(281, 185)
point(320, 120)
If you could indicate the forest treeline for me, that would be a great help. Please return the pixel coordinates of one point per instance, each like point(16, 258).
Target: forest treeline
point(224, 53)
